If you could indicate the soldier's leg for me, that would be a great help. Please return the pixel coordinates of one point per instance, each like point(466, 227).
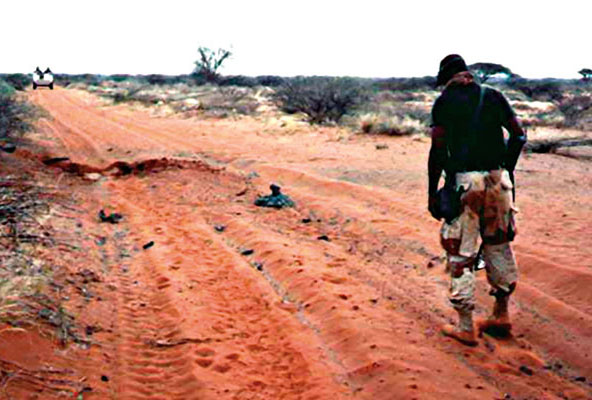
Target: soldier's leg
point(461, 296)
point(502, 274)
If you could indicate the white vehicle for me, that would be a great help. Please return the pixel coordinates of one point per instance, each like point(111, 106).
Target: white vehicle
point(42, 78)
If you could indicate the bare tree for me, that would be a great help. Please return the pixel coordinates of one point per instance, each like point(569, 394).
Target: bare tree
point(209, 62)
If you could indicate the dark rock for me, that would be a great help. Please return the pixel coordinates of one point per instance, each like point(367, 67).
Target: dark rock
point(148, 245)
point(306, 220)
point(259, 266)
point(112, 218)
point(247, 252)
point(275, 200)
point(580, 379)
point(54, 160)
point(8, 147)
point(104, 378)
point(219, 228)
point(526, 370)
point(324, 237)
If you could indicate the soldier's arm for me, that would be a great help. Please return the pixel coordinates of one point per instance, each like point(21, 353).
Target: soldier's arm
point(517, 138)
point(437, 159)
point(515, 143)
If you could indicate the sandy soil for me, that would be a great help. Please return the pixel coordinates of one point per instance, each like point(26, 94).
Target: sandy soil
point(194, 316)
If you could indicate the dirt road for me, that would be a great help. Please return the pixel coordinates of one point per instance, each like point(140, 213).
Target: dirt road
point(340, 297)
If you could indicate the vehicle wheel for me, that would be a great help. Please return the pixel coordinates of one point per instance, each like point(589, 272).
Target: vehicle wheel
point(34, 86)
point(51, 86)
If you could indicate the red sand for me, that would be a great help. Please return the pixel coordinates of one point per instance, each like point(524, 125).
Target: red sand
point(353, 317)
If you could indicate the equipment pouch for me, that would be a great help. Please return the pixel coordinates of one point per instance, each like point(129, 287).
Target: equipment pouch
point(448, 201)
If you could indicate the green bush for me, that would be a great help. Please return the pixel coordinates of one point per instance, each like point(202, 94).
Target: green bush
point(17, 81)
point(237, 80)
point(6, 90)
point(14, 114)
point(321, 99)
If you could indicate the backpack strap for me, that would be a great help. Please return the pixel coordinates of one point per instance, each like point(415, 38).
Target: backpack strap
point(477, 114)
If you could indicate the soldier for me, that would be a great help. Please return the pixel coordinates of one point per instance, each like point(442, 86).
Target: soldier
point(468, 145)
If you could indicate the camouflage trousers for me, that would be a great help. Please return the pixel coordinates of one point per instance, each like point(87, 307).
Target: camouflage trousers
point(487, 217)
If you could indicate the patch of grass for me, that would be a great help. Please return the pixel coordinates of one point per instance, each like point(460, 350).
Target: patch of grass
point(390, 125)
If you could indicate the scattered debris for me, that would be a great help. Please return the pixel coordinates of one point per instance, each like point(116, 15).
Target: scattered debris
point(173, 343)
point(93, 176)
point(275, 200)
point(112, 218)
point(148, 245)
point(88, 276)
point(252, 175)
point(551, 146)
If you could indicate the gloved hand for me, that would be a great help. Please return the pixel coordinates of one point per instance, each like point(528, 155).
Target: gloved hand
point(432, 207)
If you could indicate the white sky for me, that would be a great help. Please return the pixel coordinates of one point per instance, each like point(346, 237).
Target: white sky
point(367, 38)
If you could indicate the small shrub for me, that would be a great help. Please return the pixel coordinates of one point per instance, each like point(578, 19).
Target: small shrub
point(393, 84)
point(321, 99)
point(270, 80)
point(6, 90)
point(17, 81)
point(14, 115)
point(237, 80)
point(574, 108)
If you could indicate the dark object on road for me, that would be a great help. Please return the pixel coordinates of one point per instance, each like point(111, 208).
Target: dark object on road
point(275, 200)
point(324, 237)
point(148, 245)
point(8, 147)
point(112, 218)
point(55, 160)
point(306, 220)
point(247, 252)
point(526, 370)
point(219, 228)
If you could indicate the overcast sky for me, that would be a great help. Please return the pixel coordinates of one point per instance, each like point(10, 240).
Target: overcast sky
point(358, 38)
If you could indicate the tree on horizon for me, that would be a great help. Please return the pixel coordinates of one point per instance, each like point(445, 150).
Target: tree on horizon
point(586, 74)
point(209, 62)
point(484, 71)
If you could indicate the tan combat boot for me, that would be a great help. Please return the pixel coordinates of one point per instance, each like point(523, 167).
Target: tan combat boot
point(464, 333)
point(498, 324)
